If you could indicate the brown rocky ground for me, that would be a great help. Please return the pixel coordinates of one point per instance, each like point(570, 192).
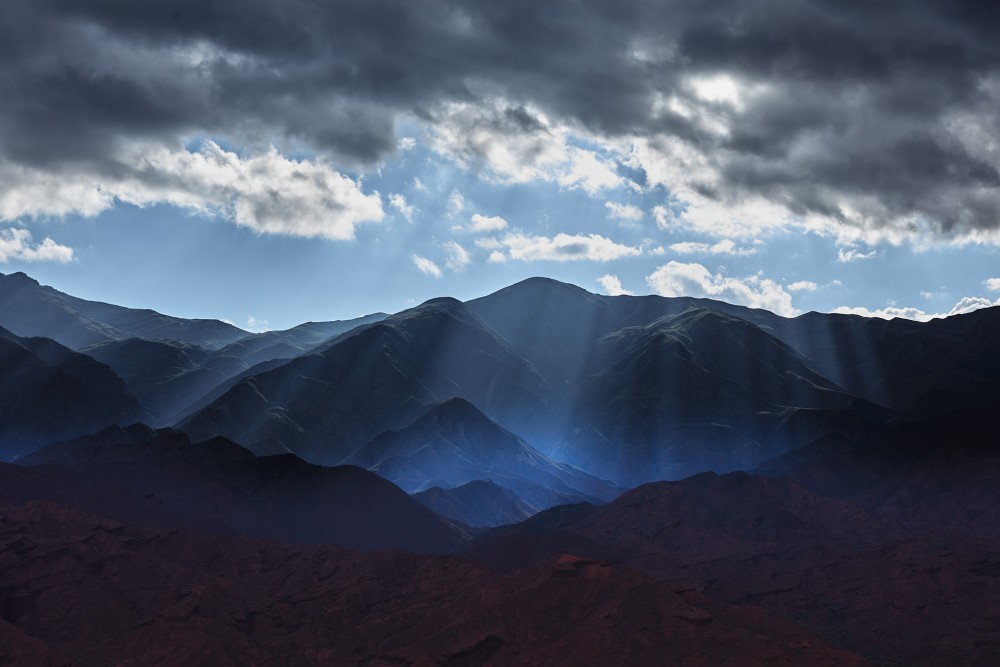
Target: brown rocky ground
point(76, 589)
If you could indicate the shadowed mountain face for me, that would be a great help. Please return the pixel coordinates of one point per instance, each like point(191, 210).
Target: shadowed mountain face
point(169, 598)
point(48, 392)
point(169, 377)
point(916, 368)
point(479, 504)
point(218, 483)
point(326, 404)
point(456, 443)
point(30, 309)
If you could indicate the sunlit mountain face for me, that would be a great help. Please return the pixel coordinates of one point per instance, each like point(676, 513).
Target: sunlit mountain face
point(499, 333)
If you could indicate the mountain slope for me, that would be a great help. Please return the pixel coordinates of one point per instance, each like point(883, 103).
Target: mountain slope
point(48, 392)
point(479, 504)
point(30, 309)
point(324, 405)
point(169, 376)
point(701, 390)
point(279, 497)
point(916, 368)
point(454, 441)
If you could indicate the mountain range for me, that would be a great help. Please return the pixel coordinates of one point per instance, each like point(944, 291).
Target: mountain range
point(540, 476)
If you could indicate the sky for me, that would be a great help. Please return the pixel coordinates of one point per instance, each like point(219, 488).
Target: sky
point(271, 162)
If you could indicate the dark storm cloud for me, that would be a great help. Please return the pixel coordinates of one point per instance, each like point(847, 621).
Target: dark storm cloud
point(883, 106)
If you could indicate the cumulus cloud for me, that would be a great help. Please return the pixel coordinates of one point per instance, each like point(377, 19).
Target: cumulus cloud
point(426, 266)
point(266, 192)
point(992, 284)
point(682, 279)
point(612, 285)
point(458, 257)
point(481, 223)
point(723, 247)
point(966, 304)
point(17, 245)
point(398, 202)
point(870, 120)
point(566, 247)
point(623, 211)
point(802, 286)
point(517, 143)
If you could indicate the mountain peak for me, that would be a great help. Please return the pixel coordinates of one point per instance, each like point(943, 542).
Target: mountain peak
point(19, 277)
point(456, 408)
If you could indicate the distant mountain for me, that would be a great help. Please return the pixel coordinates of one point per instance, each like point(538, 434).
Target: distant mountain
point(169, 376)
point(288, 343)
point(631, 389)
point(915, 368)
point(478, 504)
point(49, 392)
point(30, 309)
point(279, 497)
point(697, 391)
point(323, 406)
point(456, 442)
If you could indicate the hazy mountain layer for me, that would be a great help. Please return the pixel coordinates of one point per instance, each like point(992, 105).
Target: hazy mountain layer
point(48, 392)
point(30, 309)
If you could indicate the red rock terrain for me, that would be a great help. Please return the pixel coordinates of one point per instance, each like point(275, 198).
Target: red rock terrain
point(76, 589)
point(862, 583)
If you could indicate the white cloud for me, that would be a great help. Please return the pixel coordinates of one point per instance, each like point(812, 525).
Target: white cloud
point(427, 266)
point(612, 285)
point(256, 326)
point(398, 202)
point(665, 218)
point(16, 244)
point(458, 257)
point(802, 286)
point(853, 254)
point(689, 173)
point(681, 279)
point(564, 247)
point(518, 144)
point(267, 192)
point(966, 304)
point(488, 243)
point(723, 247)
point(992, 284)
point(481, 223)
point(623, 211)
point(407, 144)
point(456, 202)
point(418, 185)
point(496, 257)
point(589, 172)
